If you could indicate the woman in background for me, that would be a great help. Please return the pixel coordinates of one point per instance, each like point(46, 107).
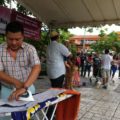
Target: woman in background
point(75, 74)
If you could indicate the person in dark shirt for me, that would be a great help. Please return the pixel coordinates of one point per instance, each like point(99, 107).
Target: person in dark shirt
point(88, 65)
point(83, 60)
point(96, 65)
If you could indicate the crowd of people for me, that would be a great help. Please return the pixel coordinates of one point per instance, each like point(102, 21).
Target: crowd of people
point(103, 66)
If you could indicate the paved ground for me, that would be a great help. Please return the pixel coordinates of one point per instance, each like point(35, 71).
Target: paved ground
point(96, 103)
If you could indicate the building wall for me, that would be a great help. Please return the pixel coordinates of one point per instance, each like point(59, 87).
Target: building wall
point(84, 42)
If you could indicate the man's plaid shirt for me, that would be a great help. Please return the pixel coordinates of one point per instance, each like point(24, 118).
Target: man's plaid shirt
point(21, 67)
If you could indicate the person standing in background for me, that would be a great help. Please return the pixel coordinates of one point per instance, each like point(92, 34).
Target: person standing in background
point(55, 60)
point(56, 55)
point(83, 59)
point(75, 73)
point(114, 67)
point(96, 65)
point(106, 60)
point(88, 65)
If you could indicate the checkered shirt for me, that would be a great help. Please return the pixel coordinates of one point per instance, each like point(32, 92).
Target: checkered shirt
point(21, 67)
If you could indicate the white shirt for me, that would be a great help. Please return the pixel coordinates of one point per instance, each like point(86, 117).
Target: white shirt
point(106, 61)
point(55, 59)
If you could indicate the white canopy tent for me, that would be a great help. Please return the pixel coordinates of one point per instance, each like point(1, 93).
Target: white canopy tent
point(72, 13)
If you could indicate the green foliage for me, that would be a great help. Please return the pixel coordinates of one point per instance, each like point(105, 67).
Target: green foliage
point(20, 8)
point(64, 35)
point(73, 49)
point(23, 10)
point(4, 2)
point(90, 30)
point(109, 41)
point(2, 39)
point(102, 33)
point(41, 44)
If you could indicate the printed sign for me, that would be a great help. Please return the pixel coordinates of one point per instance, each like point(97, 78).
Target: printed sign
point(4, 18)
point(31, 25)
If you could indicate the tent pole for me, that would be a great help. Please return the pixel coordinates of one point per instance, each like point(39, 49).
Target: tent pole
point(10, 4)
point(84, 40)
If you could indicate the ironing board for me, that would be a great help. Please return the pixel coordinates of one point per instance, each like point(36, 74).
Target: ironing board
point(42, 102)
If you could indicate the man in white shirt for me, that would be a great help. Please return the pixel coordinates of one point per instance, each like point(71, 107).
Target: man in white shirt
point(55, 60)
point(106, 65)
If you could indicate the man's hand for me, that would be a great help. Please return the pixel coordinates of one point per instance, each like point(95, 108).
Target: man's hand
point(16, 94)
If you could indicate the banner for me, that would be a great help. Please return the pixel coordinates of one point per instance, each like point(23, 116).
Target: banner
point(31, 26)
point(4, 18)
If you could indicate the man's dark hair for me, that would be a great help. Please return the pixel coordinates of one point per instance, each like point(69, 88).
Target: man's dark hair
point(14, 27)
point(106, 51)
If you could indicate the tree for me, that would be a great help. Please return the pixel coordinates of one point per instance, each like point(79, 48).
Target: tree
point(2, 39)
point(64, 35)
point(23, 10)
point(4, 2)
point(110, 41)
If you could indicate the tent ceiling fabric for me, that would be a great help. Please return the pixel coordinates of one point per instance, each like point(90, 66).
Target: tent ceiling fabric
point(72, 13)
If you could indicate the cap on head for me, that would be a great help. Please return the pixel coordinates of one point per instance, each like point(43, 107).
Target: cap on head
point(54, 34)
